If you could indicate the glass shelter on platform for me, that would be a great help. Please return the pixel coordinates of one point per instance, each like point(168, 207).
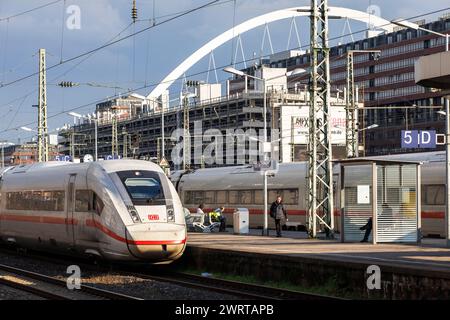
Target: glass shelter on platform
point(381, 195)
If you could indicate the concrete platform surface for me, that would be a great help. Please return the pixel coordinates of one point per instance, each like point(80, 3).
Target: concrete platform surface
point(430, 256)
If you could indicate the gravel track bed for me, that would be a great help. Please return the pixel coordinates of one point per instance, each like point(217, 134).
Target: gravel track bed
point(112, 281)
point(7, 293)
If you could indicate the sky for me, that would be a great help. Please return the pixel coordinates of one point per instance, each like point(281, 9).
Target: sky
point(68, 28)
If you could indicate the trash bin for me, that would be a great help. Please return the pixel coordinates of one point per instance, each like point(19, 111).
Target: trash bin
point(241, 221)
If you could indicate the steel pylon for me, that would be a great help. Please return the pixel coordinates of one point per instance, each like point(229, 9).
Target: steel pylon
point(351, 133)
point(42, 110)
point(114, 135)
point(320, 174)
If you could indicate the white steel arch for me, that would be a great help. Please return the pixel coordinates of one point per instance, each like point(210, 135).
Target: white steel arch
point(338, 12)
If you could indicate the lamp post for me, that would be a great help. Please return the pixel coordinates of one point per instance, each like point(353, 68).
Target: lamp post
point(79, 116)
point(373, 126)
point(408, 24)
point(185, 97)
point(264, 81)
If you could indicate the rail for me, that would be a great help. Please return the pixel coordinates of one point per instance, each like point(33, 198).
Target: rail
point(233, 288)
point(240, 289)
point(60, 283)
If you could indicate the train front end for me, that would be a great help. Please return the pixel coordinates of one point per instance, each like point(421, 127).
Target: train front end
point(155, 228)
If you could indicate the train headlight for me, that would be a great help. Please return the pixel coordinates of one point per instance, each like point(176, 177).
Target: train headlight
point(170, 215)
point(134, 214)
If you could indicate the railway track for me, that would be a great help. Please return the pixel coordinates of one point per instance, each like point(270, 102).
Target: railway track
point(233, 288)
point(239, 289)
point(52, 288)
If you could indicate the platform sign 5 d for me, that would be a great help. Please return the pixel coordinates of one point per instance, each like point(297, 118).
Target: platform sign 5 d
point(426, 139)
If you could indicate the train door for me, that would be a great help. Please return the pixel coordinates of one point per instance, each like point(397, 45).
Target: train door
point(70, 204)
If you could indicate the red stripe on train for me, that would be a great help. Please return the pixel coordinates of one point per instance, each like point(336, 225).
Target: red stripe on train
point(38, 219)
point(112, 234)
point(89, 223)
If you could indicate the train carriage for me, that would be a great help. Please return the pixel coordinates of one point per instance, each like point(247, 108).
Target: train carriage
point(235, 187)
point(117, 210)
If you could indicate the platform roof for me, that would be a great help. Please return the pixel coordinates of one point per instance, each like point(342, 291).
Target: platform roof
point(433, 71)
point(376, 161)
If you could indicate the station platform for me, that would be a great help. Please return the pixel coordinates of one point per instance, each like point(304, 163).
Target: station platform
point(407, 271)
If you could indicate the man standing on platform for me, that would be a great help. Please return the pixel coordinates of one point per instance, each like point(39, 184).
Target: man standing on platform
point(278, 212)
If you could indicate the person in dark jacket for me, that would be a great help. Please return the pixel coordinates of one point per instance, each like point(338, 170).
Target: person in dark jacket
point(278, 212)
point(368, 228)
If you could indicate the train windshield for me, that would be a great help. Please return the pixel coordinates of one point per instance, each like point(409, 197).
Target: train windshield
point(143, 187)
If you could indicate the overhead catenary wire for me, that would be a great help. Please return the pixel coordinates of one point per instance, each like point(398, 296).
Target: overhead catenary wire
point(65, 72)
point(62, 30)
point(110, 43)
point(198, 73)
point(19, 65)
point(5, 51)
point(30, 10)
point(213, 3)
point(216, 2)
point(102, 99)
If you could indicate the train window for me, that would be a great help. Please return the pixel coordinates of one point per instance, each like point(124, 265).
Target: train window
point(143, 187)
point(259, 197)
point(290, 196)
point(97, 204)
point(198, 197)
point(273, 194)
point(88, 201)
point(234, 197)
point(435, 194)
point(35, 200)
point(221, 197)
point(246, 197)
point(210, 197)
point(59, 198)
point(82, 200)
point(187, 197)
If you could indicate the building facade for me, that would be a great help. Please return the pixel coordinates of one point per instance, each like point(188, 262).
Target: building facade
point(386, 83)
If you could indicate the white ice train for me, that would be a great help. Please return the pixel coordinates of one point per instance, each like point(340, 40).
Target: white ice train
point(125, 210)
point(234, 187)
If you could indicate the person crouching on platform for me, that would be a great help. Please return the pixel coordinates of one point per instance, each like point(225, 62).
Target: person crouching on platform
point(278, 212)
point(220, 217)
point(368, 228)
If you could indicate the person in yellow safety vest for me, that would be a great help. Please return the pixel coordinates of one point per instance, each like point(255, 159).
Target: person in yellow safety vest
point(217, 215)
